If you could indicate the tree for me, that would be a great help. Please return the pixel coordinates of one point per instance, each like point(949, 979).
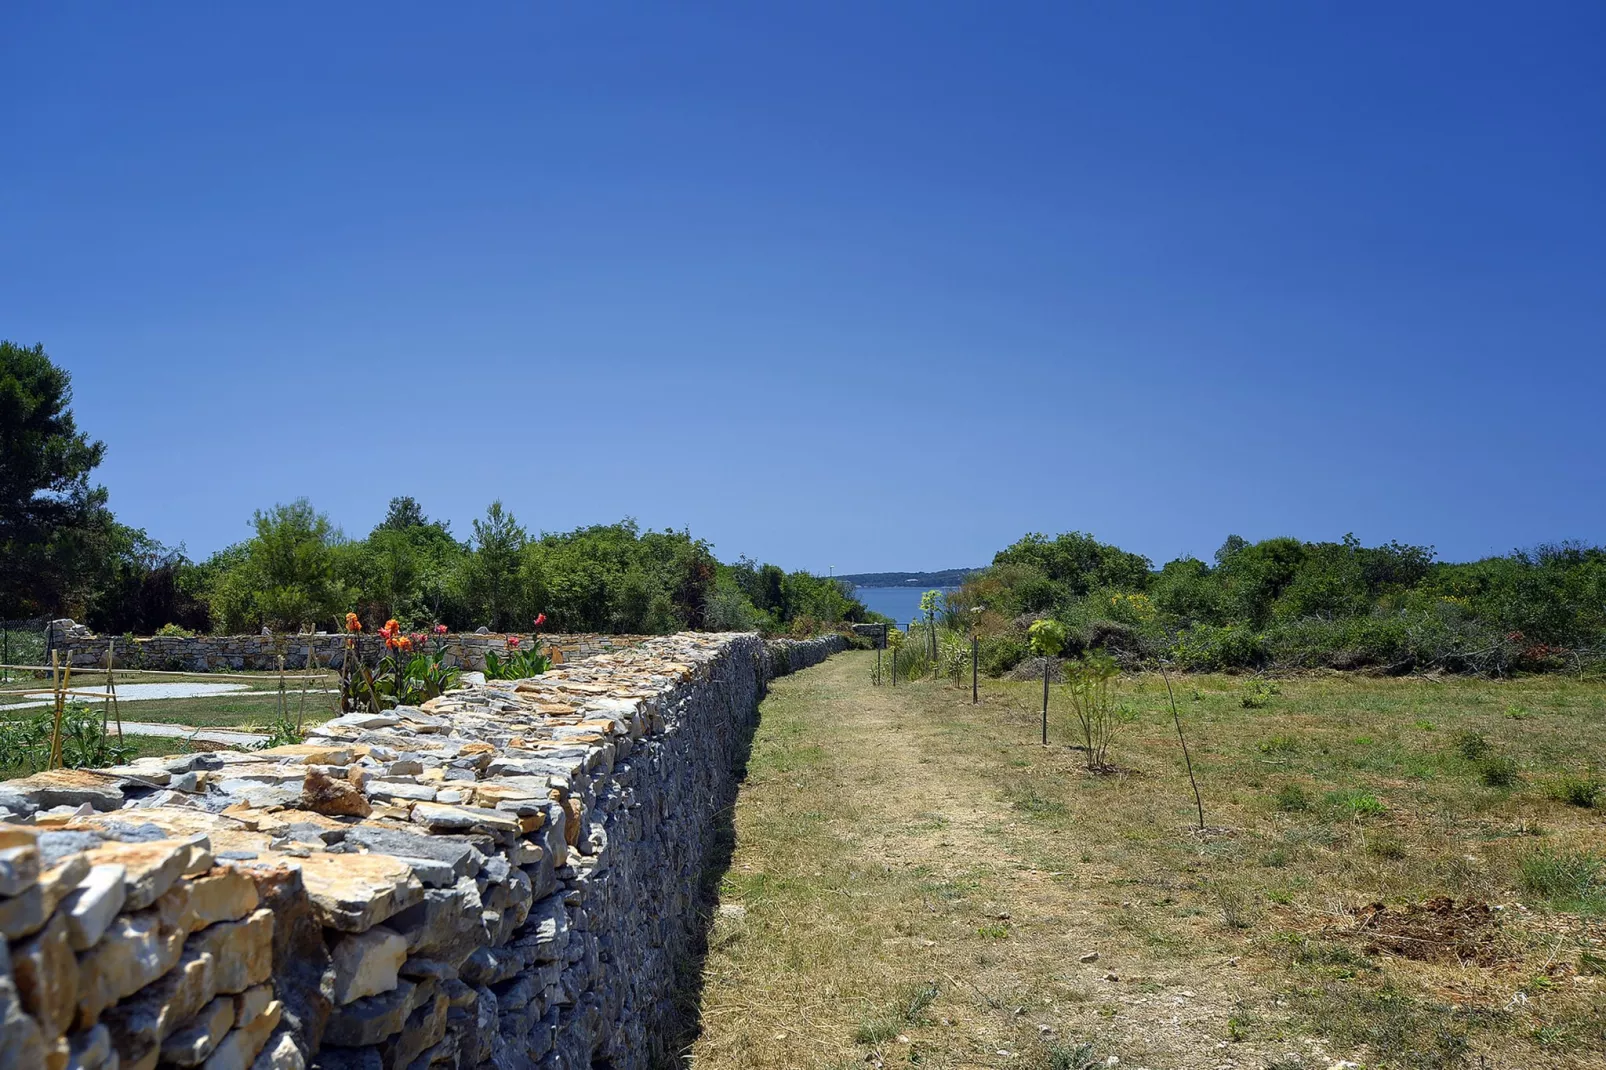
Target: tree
point(404, 513)
point(50, 515)
point(490, 575)
point(284, 576)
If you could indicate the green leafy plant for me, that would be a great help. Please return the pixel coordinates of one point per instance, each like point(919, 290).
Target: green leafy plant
point(953, 657)
point(1089, 678)
point(282, 731)
point(174, 631)
point(85, 743)
point(518, 665)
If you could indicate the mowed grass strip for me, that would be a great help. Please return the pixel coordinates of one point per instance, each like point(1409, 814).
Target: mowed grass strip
point(919, 882)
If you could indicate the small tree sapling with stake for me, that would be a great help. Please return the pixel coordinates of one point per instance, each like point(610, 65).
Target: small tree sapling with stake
point(1047, 638)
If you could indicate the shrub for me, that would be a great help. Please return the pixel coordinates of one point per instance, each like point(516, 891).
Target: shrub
point(1581, 791)
point(1001, 653)
point(1090, 678)
point(1208, 648)
point(953, 656)
point(1471, 745)
point(174, 631)
point(1499, 771)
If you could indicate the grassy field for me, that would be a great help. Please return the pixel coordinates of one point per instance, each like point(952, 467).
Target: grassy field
point(917, 881)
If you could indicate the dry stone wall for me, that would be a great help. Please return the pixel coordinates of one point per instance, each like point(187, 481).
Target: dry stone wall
point(508, 876)
point(223, 653)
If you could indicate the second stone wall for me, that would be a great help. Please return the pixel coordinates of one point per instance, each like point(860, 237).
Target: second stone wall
point(223, 653)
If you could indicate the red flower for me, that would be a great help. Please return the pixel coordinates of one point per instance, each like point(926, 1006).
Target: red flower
point(540, 619)
point(440, 629)
point(513, 642)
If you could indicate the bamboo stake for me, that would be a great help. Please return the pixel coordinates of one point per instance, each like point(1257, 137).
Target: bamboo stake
point(284, 703)
point(106, 704)
point(61, 681)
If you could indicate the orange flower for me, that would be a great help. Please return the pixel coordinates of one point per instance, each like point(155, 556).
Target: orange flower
point(352, 623)
point(404, 643)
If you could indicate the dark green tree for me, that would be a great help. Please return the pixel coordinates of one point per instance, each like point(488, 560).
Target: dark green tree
point(53, 523)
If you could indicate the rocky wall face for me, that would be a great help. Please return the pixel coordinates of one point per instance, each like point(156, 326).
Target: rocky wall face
point(506, 877)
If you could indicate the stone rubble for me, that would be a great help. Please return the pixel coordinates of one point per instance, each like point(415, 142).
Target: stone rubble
point(507, 876)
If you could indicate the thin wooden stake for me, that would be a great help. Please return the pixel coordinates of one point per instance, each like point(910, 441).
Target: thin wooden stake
point(59, 684)
point(1177, 717)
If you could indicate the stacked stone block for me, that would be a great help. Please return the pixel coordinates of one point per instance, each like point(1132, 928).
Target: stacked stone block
point(508, 876)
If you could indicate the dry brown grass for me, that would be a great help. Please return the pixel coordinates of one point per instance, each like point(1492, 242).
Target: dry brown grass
point(916, 880)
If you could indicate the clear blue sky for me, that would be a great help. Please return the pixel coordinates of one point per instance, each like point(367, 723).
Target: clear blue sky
point(877, 286)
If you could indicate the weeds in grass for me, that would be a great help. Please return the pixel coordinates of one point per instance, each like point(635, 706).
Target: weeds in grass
point(1083, 1056)
point(1279, 745)
point(1582, 791)
point(875, 1031)
point(1517, 713)
point(993, 932)
point(1471, 745)
point(1500, 771)
point(1238, 910)
point(1258, 693)
point(1419, 1035)
point(1354, 803)
point(1573, 881)
point(1386, 847)
point(1292, 799)
point(915, 999)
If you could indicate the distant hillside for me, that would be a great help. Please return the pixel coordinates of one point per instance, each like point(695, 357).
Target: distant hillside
point(948, 577)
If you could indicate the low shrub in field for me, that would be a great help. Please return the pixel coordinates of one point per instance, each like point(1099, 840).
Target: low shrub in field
point(1582, 791)
point(1471, 745)
point(1570, 880)
point(1259, 692)
point(1499, 771)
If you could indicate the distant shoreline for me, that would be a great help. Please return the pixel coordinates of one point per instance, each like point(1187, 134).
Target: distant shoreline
point(948, 577)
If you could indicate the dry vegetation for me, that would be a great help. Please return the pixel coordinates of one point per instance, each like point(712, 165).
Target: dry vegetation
point(1397, 872)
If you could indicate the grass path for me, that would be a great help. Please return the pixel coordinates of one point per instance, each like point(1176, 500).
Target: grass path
point(917, 881)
